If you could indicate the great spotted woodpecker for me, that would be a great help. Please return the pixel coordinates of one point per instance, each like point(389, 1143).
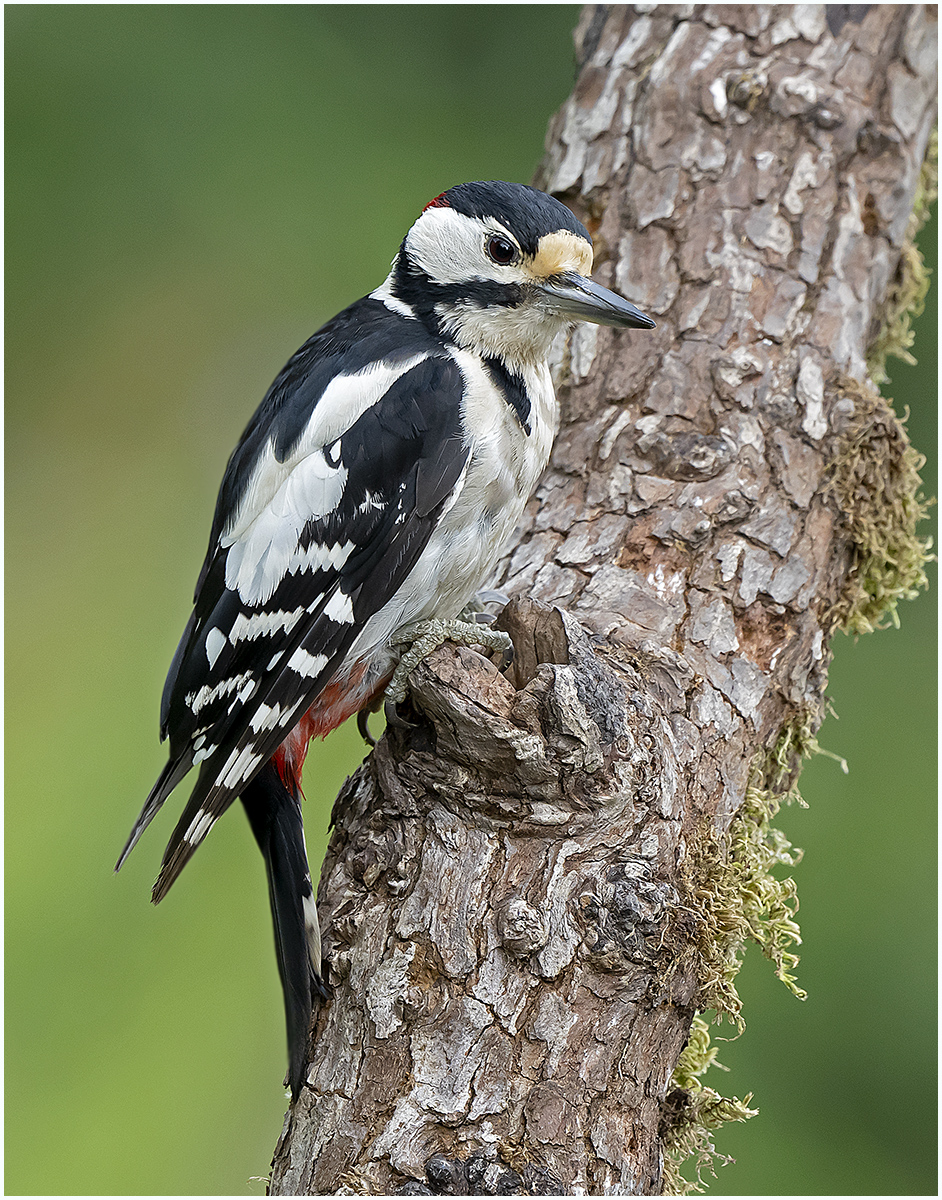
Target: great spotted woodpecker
point(368, 499)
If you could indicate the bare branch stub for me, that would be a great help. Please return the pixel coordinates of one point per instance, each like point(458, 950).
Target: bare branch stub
point(513, 947)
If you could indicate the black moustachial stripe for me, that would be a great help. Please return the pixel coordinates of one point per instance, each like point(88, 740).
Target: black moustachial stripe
point(512, 387)
point(431, 301)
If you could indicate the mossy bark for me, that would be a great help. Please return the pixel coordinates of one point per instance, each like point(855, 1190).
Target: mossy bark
point(521, 916)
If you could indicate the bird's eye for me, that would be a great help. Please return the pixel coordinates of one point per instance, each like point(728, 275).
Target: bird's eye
point(501, 250)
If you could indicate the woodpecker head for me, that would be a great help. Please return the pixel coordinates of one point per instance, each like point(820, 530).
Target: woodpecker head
point(501, 268)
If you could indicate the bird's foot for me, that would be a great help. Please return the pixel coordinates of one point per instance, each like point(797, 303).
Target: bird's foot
point(425, 636)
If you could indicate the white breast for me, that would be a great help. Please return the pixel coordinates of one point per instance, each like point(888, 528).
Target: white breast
point(504, 467)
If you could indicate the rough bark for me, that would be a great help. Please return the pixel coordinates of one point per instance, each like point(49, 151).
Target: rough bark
point(510, 893)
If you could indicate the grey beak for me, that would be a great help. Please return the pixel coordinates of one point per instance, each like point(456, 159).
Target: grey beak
point(574, 296)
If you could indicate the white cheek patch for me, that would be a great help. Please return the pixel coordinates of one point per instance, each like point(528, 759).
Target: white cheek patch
point(449, 247)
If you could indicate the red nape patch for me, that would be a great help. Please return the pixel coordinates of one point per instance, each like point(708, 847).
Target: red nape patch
point(438, 202)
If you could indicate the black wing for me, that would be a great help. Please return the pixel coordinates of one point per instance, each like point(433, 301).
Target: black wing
point(318, 523)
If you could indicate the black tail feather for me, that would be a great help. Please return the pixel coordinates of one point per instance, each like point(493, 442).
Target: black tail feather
point(170, 776)
point(275, 816)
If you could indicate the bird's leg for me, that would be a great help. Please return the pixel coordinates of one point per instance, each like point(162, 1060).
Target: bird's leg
point(425, 636)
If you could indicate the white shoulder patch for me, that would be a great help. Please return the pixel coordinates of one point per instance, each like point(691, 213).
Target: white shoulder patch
point(281, 497)
point(347, 397)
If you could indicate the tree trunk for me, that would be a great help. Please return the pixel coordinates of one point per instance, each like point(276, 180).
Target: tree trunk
point(529, 895)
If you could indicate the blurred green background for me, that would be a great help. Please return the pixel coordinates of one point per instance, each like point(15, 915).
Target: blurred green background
point(191, 191)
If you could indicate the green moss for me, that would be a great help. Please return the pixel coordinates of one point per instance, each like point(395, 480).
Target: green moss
point(906, 295)
point(875, 475)
point(692, 1112)
point(875, 481)
point(733, 894)
point(734, 897)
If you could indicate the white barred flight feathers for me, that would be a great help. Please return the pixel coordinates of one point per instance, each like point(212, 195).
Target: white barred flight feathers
point(364, 506)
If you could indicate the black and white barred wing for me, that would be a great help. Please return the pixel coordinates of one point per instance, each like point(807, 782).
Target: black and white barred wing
point(317, 544)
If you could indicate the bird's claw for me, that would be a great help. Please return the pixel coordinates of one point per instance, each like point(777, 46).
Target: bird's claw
point(391, 713)
point(363, 726)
